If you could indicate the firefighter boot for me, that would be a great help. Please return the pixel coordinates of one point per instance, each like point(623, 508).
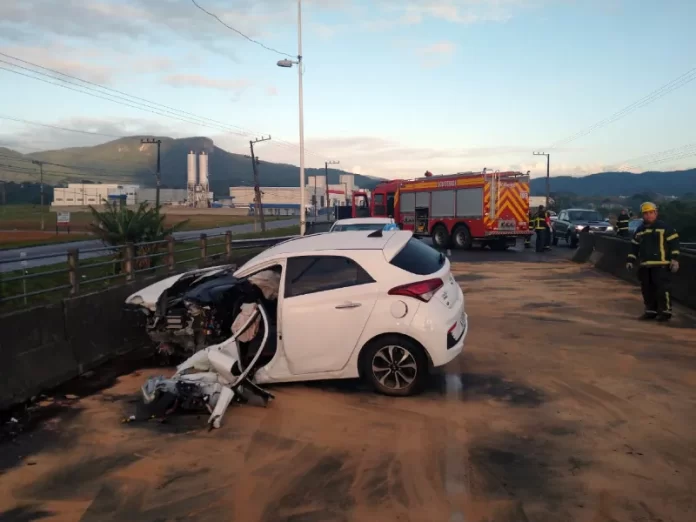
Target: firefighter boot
point(648, 315)
point(664, 317)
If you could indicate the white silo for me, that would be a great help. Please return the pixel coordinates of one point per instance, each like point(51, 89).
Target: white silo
point(203, 168)
point(191, 178)
point(203, 187)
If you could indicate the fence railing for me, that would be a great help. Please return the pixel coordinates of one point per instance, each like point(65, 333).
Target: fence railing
point(94, 268)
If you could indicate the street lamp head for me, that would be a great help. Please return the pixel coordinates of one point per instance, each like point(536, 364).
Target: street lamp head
point(285, 63)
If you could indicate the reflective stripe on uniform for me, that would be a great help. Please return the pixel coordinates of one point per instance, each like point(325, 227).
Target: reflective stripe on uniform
point(672, 237)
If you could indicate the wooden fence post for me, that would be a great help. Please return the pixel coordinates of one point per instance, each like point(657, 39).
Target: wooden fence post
point(204, 250)
point(228, 246)
point(73, 271)
point(171, 262)
point(128, 261)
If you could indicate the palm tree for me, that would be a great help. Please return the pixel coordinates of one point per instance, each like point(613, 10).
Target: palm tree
point(117, 225)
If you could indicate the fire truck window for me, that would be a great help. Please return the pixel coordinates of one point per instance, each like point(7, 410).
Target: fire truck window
point(422, 199)
point(443, 203)
point(390, 204)
point(470, 203)
point(380, 210)
point(407, 202)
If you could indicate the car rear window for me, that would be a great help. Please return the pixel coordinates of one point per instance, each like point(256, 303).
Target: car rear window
point(361, 226)
point(418, 258)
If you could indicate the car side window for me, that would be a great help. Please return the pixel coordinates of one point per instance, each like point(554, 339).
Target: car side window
point(311, 274)
point(563, 216)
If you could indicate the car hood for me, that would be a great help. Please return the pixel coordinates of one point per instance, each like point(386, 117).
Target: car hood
point(148, 296)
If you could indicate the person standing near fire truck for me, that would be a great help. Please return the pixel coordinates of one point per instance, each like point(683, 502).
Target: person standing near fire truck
point(541, 228)
point(656, 249)
point(528, 240)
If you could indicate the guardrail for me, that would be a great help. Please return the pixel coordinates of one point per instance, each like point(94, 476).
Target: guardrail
point(96, 268)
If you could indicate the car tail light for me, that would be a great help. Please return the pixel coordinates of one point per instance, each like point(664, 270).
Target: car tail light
point(422, 290)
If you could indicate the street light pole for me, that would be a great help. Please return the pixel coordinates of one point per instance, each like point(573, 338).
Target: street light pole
point(548, 179)
point(303, 224)
point(289, 63)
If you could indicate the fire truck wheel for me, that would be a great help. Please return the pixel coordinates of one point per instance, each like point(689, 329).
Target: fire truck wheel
point(462, 237)
point(440, 237)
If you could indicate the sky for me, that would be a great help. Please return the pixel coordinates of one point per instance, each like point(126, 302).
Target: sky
point(392, 88)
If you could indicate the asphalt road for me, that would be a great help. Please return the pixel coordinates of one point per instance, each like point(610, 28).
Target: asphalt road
point(562, 408)
point(10, 259)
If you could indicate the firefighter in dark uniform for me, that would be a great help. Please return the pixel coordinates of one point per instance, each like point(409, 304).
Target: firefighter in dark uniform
point(656, 250)
point(528, 240)
point(541, 228)
point(622, 229)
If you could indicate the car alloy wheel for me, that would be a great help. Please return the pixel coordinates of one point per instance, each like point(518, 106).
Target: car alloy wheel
point(394, 367)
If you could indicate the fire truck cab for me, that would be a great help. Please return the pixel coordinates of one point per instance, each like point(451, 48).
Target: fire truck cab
point(459, 210)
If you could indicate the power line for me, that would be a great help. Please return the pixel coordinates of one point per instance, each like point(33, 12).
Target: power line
point(655, 95)
point(149, 106)
point(685, 151)
point(241, 33)
point(18, 120)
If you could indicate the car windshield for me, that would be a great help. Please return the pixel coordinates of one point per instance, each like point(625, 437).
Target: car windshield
point(584, 215)
point(359, 226)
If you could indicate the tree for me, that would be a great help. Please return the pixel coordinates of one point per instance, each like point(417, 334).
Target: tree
point(682, 216)
point(117, 226)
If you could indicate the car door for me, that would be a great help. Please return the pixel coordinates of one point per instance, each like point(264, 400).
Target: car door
point(561, 224)
point(326, 303)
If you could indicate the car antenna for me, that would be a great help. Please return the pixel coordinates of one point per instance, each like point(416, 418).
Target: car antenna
point(376, 233)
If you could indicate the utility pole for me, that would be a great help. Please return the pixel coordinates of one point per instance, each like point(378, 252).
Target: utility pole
point(548, 178)
point(257, 187)
point(326, 179)
point(40, 164)
point(157, 174)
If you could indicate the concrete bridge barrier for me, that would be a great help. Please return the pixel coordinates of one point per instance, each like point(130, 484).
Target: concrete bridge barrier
point(610, 255)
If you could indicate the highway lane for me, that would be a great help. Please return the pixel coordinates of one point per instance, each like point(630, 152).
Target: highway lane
point(11, 259)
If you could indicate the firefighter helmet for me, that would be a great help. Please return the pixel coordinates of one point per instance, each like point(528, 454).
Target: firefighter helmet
point(648, 206)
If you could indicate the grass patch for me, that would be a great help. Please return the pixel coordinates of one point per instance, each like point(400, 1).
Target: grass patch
point(28, 217)
point(12, 240)
point(105, 271)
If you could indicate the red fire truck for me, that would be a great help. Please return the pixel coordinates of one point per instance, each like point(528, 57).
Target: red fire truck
point(455, 210)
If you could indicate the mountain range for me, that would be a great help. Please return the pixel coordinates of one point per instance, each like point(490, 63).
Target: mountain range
point(675, 183)
point(127, 160)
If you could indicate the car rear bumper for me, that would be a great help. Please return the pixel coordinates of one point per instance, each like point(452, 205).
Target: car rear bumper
point(453, 347)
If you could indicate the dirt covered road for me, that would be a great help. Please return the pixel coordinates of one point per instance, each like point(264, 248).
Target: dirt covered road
point(562, 408)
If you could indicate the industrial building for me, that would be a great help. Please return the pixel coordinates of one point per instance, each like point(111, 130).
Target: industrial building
point(286, 200)
point(84, 194)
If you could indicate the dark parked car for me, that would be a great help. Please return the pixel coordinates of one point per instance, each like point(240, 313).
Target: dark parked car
point(571, 221)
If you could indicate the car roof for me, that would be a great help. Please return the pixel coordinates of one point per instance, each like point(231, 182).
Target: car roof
point(366, 220)
point(390, 242)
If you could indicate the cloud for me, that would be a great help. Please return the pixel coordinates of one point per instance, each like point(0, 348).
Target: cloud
point(81, 62)
point(271, 91)
point(135, 21)
point(205, 82)
point(436, 54)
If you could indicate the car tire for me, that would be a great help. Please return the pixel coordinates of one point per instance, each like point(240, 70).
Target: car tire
point(554, 240)
point(462, 237)
point(573, 241)
point(440, 236)
point(377, 370)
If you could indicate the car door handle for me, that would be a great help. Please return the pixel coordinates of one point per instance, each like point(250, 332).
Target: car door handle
point(348, 305)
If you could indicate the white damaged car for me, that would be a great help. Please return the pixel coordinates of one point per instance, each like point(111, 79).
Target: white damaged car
point(381, 306)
